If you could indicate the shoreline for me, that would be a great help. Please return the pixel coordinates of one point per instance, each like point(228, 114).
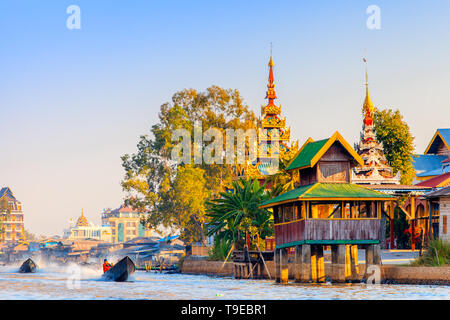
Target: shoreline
point(390, 274)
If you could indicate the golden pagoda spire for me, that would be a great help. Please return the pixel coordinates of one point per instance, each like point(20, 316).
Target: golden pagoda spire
point(368, 105)
point(271, 94)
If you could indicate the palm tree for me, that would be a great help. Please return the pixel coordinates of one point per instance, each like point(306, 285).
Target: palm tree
point(236, 213)
point(282, 181)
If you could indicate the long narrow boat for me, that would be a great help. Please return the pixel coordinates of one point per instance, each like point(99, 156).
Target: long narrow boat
point(28, 266)
point(120, 271)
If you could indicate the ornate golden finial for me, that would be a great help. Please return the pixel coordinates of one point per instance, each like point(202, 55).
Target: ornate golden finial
point(368, 105)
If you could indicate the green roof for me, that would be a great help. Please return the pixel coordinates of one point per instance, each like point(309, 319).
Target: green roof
point(328, 191)
point(307, 154)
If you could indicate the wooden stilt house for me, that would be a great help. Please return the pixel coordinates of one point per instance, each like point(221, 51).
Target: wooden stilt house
point(326, 209)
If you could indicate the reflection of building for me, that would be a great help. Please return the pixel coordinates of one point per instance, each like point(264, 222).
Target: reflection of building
point(83, 229)
point(273, 138)
point(125, 223)
point(11, 217)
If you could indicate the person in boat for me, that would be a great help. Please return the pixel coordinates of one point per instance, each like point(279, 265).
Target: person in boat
point(106, 265)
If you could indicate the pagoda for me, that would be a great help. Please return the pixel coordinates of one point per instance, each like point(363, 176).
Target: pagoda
point(376, 169)
point(273, 138)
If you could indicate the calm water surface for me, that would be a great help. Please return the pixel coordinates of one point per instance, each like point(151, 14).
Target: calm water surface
point(55, 283)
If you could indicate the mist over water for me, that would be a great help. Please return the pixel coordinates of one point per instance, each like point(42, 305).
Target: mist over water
point(71, 281)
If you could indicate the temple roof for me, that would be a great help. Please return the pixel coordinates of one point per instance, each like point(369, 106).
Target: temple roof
point(311, 152)
point(428, 164)
point(6, 192)
point(440, 181)
point(82, 221)
point(444, 192)
point(441, 136)
point(328, 191)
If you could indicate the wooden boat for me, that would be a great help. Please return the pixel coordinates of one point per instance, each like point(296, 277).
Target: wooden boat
point(28, 266)
point(120, 271)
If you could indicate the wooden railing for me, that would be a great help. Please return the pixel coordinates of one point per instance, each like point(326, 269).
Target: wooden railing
point(331, 230)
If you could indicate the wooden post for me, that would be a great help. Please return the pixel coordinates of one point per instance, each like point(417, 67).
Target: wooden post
point(413, 216)
point(284, 265)
point(314, 263)
point(391, 224)
point(277, 265)
point(298, 264)
point(354, 262)
point(320, 264)
point(376, 254)
point(306, 263)
point(430, 220)
point(348, 269)
point(338, 263)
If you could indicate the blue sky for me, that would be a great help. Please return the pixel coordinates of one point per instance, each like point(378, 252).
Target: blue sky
point(73, 101)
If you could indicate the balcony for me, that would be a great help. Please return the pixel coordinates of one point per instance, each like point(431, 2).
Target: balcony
point(327, 232)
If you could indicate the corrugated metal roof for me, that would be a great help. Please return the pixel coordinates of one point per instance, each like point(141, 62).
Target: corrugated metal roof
point(439, 181)
point(444, 192)
point(307, 154)
point(328, 191)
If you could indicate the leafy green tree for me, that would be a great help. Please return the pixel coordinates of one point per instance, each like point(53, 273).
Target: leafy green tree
point(283, 180)
point(236, 213)
point(189, 196)
point(398, 142)
point(151, 176)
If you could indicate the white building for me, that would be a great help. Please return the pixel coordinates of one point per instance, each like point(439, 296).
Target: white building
point(83, 229)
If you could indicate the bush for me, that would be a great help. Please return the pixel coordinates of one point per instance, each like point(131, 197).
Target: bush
point(220, 249)
point(437, 254)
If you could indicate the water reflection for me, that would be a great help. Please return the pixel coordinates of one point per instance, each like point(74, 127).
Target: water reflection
point(51, 283)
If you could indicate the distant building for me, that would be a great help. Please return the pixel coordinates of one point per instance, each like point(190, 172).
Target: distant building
point(440, 204)
point(83, 229)
point(125, 223)
point(436, 159)
point(375, 170)
point(11, 217)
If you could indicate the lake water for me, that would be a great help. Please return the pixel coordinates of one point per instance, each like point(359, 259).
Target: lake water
point(61, 282)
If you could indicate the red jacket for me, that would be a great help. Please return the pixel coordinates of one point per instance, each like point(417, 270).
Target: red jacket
point(106, 267)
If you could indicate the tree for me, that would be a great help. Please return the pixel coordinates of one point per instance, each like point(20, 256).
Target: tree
point(29, 235)
point(236, 213)
point(151, 176)
point(397, 141)
point(189, 196)
point(283, 180)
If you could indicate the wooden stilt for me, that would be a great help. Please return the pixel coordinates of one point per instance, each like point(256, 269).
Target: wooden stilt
point(376, 254)
point(277, 265)
point(320, 264)
point(314, 263)
point(354, 262)
point(348, 270)
point(284, 266)
point(338, 263)
point(306, 263)
point(298, 264)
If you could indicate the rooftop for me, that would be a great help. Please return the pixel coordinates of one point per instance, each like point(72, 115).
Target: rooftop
point(328, 191)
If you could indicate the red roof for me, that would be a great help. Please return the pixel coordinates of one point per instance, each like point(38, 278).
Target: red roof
point(440, 181)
